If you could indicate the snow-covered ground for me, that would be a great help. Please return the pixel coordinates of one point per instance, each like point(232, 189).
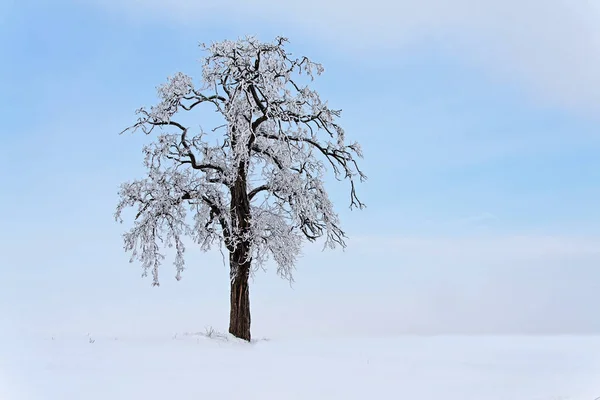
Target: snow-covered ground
point(406, 367)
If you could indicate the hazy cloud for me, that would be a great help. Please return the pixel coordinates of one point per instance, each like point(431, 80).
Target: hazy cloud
point(551, 46)
point(493, 284)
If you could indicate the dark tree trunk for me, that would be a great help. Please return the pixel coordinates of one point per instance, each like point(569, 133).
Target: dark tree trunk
point(240, 258)
point(239, 317)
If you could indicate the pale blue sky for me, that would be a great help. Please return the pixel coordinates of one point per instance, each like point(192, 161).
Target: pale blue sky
point(480, 134)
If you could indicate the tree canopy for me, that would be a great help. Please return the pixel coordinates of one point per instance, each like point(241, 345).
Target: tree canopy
point(268, 157)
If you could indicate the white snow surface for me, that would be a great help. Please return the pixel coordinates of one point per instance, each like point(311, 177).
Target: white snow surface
point(191, 366)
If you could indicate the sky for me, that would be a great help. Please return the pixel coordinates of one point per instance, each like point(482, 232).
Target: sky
point(479, 127)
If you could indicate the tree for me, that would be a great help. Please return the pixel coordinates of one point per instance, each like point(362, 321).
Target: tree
point(257, 189)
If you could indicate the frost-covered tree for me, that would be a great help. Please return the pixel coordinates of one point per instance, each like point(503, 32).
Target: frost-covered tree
point(257, 188)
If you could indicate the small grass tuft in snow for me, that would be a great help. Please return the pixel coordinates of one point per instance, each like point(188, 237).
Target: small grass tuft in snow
point(214, 334)
point(211, 333)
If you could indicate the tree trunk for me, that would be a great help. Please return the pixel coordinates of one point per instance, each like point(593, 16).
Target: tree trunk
point(240, 258)
point(239, 316)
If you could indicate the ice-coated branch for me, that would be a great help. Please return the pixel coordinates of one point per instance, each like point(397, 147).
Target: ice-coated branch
point(160, 219)
point(339, 157)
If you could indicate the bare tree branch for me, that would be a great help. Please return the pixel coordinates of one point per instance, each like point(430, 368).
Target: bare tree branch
point(257, 190)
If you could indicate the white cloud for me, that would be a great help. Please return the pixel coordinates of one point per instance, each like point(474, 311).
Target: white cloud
point(494, 284)
point(551, 46)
